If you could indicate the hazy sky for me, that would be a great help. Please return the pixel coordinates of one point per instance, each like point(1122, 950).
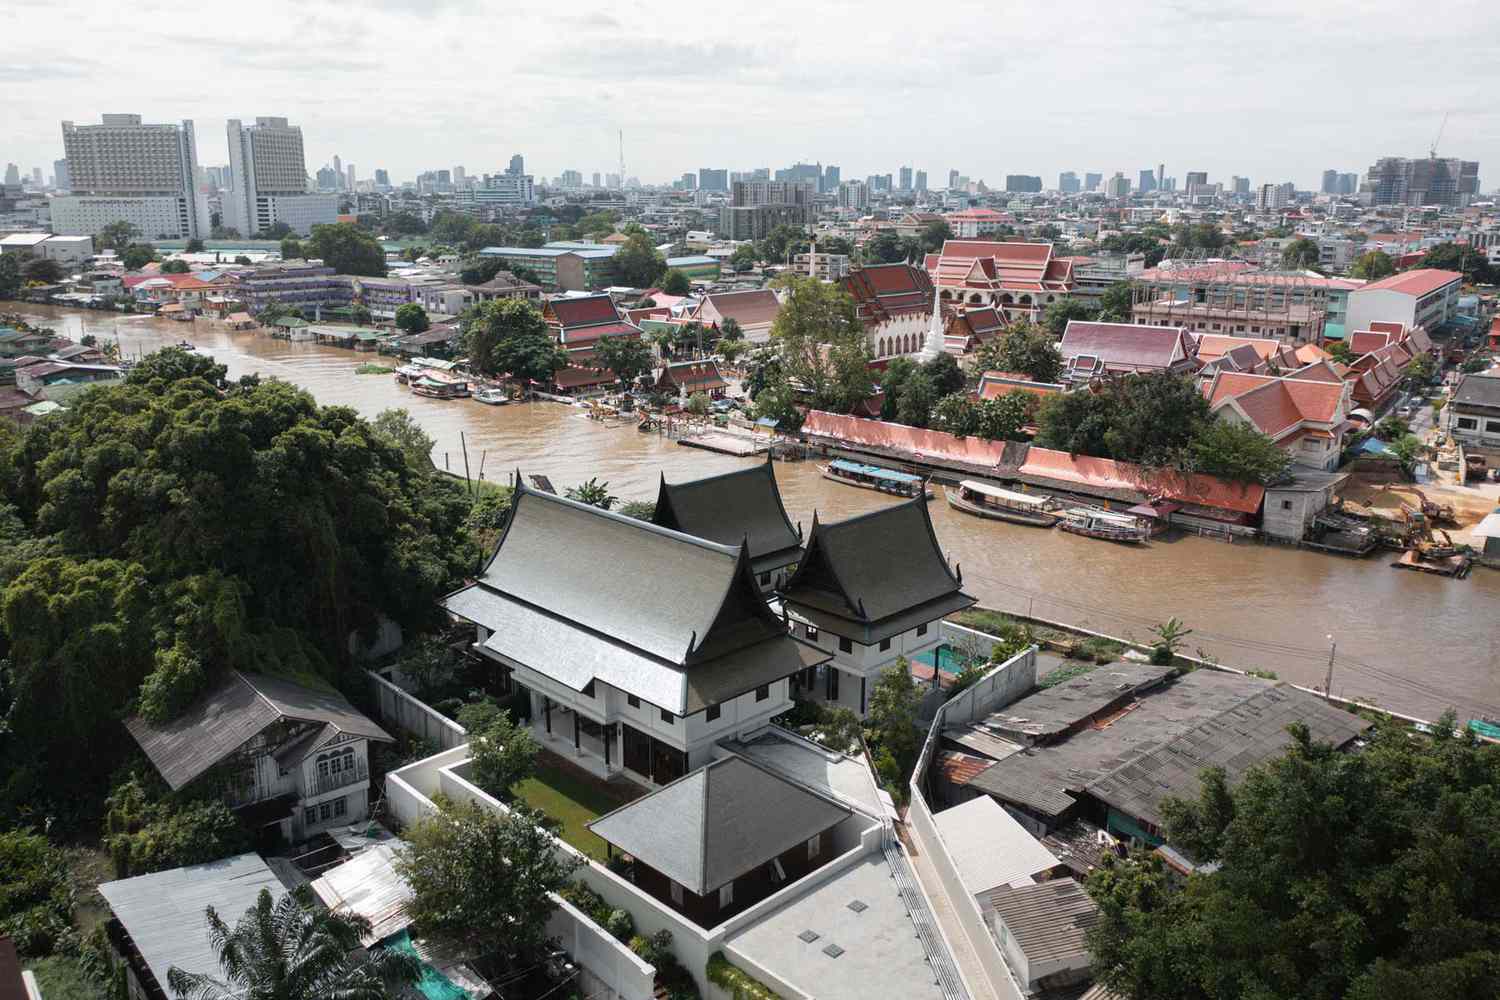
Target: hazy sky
point(1272, 89)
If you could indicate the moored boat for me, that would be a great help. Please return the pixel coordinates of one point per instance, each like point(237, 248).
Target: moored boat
point(406, 373)
point(873, 477)
point(983, 500)
point(1111, 527)
point(492, 396)
point(438, 386)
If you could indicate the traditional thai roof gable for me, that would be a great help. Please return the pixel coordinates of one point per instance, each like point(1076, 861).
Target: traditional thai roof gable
point(882, 292)
point(968, 328)
point(579, 322)
point(579, 594)
point(874, 576)
point(743, 505)
point(1123, 348)
point(987, 264)
point(1280, 407)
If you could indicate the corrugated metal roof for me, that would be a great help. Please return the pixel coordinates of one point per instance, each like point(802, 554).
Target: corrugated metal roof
point(368, 886)
point(717, 823)
point(164, 912)
point(1049, 921)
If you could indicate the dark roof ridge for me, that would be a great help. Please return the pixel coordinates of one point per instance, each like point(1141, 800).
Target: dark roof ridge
point(921, 503)
point(523, 490)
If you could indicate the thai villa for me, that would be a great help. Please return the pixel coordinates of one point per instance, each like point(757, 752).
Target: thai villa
point(291, 760)
point(640, 647)
point(869, 589)
point(740, 506)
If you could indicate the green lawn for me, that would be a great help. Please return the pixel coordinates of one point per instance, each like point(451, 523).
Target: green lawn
point(571, 801)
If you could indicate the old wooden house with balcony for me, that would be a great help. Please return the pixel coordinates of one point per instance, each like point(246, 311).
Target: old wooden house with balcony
point(291, 760)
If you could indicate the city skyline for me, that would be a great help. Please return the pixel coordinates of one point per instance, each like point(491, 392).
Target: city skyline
point(568, 94)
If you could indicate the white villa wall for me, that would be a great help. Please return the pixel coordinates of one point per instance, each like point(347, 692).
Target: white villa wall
point(597, 951)
point(398, 708)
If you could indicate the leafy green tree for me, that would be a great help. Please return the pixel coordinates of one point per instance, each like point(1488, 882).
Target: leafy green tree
point(503, 755)
point(1076, 422)
point(1300, 254)
point(1237, 451)
point(1156, 417)
point(593, 493)
point(46, 271)
point(898, 371)
point(412, 318)
point(137, 255)
point(1372, 265)
point(36, 895)
point(1029, 350)
point(628, 357)
point(1115, 303)
point(892, 715)
point(481, 880)
point(777, 401)
point(957, 414)
point(175, 267)
point(744, 257)
point(276, 231)
point(1392, 427)
point(291, 249)
point(282, 950)
point(781, 243)
point(509, 337)
point(1421, 368)
point(193, 246)
point(1471, 263)
point(170, 365)
point(1362, 875)
point(347, 249)
point(116, 236)
point(1169, 636)
point(1407, 450)
point(822, 343)
point(146, 832)
point(885, 248)
point(242, 259)
point(478, 270)
point(947, 377)
point(698, 405)
point(1339, 351)
point(919, 395)
point(675, 282)
point(399, 428)
point(1057, 315)
point(1001, 419)
point(730, 330)
point(638, 262)
point(935, 234)
point(10, 276)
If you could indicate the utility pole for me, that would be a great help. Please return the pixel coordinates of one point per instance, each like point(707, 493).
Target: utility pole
point(1333, 648)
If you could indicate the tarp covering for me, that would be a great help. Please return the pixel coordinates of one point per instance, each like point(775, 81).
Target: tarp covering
point(874, 472)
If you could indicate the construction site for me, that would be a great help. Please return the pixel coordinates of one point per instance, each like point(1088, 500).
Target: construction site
point(1212, 295)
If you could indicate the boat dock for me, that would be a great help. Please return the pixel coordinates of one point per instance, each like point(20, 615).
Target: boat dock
point(1456, 566)
point(726, 443)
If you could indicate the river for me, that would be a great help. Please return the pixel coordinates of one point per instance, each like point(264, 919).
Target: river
point(1411, 642)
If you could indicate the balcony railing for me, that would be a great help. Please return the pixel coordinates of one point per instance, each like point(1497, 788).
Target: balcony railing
point(317, 784)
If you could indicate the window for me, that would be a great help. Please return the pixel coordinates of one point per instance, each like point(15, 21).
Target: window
point(309, 816)
point(339, 807)
point(765, 578)
point(763, 692)
point(588, 690)
point(1468, 423)
point(325, 812)
point(712, 715)
point(846, 646)
point(676, 893)
point(1286, 505)
point(922, 629)
point(812, 633)
point(667, 717)
point(726, 895)
point(885, 644)
point(814, 846)
point(1492, 426)
point(632, 701)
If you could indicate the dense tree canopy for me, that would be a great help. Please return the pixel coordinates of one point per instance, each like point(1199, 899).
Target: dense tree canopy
point(1147, 419)
point(822, 344)
point(675, 282)
point(180, 530)
point(1233, 450)
point(1471, 263)
point(1300, 254)
point(935, 234)
point(1022, 349)
point(412, 318)
point(137, 255)
point(509, 337)
point(347, 249)
point(1115, 303)
point(1367, 876)
point(638, 262)
point(10, 276)
point(1372, 265)
point(1057, 315)
point(628, 357)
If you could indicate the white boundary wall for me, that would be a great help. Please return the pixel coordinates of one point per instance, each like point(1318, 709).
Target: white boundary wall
point(398, 708)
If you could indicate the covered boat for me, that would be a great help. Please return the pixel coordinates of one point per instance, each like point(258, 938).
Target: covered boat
point(1111, 527)
point(873, 477)
point(984, 500)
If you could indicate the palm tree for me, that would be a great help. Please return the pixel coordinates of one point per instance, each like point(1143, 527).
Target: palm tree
point(283, 951)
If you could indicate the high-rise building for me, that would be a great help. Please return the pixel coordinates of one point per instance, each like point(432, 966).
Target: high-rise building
point(1117, 186)
point(952, 179)
point(1330, 182)
point(1444, 181)
point(906, 178)
point(1161, 177)
point(757, 207)
point(1239, 185)
point(574, 178)
point(338, 170)
point(268, 180)
point(1023, 183)
point(1067, 182)
point(611, 181)
point(60, 179)
point(1091, 181)
point(596, 178)
point(36, 177)
point(382, 177)
point(1273, 197)
point(1146, 181)
point(711, 179)
point(123, 170)
point(855, 195)
point(1348, 183)
point(764, 173)
point(459, 176)
point(922, 181)
point(349, 175)
point(327, 179)
point(1195, 180)
point(689, 182)
point(517, 166)
point(12, 175)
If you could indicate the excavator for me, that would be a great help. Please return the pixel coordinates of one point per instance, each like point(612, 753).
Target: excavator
point(1431, 510)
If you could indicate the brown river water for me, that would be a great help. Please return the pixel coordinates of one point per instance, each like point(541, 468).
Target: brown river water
point(1410, 642)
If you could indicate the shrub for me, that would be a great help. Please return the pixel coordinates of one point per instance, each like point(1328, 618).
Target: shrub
point(620, 924)
point(36, 896)
point(1098, 649)
point(147, 834)
point(735, 981)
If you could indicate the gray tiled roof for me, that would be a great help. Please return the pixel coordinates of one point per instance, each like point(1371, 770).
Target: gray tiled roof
point(1049, 779)
point(1236, 740)
point(578, 593)
point(731, 508)
point(876, 575)
point(241, 706)
point(1049, 920)
point(1477, 390)
point(1042, 715)
point(717, 823)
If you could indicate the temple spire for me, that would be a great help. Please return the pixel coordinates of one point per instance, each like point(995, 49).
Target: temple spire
point(933, 345)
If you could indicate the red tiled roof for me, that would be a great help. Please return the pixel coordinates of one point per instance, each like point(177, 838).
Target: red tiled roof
point(1104, 473)
point(1365, 341)
point(960, 768)
point(1278, 405)
point(583, 310)
point(1418, 282)
point(752, 308)
point(882, 291)
point(694, 376)
point(1127, 346)
point(573, 378)
point(898, 437)
point(1214, 345)
point(1032, 253)
point(589, 334)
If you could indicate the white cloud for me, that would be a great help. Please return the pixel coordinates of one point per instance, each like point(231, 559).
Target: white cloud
point(1271, 89)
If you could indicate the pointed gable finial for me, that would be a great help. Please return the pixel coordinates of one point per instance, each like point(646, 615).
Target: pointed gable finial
point(862, 612)
point(692, 641)
point(799, 531)
point(958, 571)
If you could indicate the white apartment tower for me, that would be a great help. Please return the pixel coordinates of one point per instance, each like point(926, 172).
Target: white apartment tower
point(268, 180)
point(122, 170)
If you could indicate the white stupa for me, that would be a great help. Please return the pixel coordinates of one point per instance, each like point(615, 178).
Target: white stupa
point(933, 345)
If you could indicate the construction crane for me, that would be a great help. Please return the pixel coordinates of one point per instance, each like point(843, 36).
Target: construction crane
point(1432, 153)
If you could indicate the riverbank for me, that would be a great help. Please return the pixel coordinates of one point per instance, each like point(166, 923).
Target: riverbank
point(1413, 642)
